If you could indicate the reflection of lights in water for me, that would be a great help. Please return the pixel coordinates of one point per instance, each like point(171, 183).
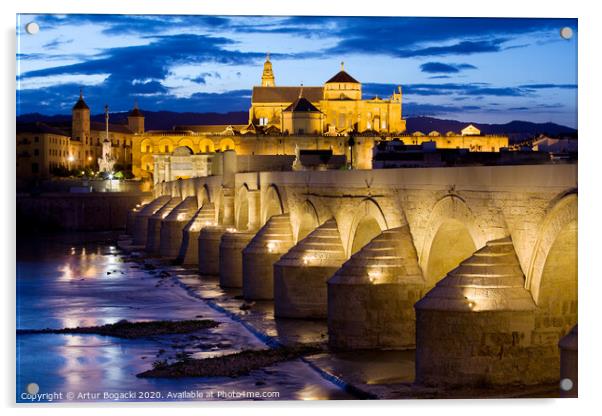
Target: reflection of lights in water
point(73, 251)
point(309, 392)
point(271, 246)
point(67, 273)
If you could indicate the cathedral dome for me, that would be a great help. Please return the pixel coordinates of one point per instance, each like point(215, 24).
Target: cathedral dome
point(342, 77)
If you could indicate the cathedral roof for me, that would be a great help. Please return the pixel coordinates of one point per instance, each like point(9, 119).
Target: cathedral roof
point(285, 94)
point(342, 76)
point(301, 105)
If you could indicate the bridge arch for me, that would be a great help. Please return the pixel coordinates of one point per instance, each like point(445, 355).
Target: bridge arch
point(272, 203)
point(307, 220)
point(242, 208)
point(203, 195)
point(368, 222)
point(552, 275)
point(451, 236)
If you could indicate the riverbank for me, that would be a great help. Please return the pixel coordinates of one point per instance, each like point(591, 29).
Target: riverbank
point(66, 211)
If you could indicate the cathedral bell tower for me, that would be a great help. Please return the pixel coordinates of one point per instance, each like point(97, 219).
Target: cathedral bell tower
point(267, 78)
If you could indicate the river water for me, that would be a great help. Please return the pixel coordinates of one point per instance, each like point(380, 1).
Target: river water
point(72, 280)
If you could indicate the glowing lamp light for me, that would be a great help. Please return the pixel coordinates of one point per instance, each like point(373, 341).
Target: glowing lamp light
point(374, 276)
point(208, 223)
point(271, 246)
point(110, 176)
point(70, 158)
point(230, 230)
point(308, 258)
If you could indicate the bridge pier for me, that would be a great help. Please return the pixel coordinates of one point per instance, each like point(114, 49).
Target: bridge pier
point(131, 219)
point(371, 298)
point(189, 251)
point(141, 221)
point(173, 225)
point(153, 238)
point(474, 327)
point(208, 245)
point(300, 275)
point(230, 257)
point(273, 240)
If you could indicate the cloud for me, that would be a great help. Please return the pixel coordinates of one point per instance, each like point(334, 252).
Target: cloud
point(421, 37)
point(441, 89)
point(443, 68)
point(549, 86)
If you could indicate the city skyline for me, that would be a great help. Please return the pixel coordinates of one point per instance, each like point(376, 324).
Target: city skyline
point(460, 68)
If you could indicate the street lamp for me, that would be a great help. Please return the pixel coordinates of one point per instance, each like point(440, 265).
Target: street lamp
point(70, 159)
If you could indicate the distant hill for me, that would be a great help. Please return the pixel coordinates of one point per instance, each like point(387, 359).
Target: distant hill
point(165, 120)
point(154, 120)
point(516, 130)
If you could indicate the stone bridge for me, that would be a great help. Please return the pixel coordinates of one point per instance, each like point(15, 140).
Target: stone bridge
point(474, 267)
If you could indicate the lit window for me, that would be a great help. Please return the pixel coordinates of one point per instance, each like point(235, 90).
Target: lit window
point(166, 148)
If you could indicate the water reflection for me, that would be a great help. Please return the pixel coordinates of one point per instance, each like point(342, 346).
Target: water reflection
point(69, 285)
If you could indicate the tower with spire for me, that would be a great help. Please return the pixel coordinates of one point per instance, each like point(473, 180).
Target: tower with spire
point(267, 78)
point(80, 121)
point(136, 120)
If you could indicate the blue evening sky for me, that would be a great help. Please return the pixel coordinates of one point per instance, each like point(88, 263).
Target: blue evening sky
point(469, 69)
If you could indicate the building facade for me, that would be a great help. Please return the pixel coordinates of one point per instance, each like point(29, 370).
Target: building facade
point(339, 107)
point(333, 117)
